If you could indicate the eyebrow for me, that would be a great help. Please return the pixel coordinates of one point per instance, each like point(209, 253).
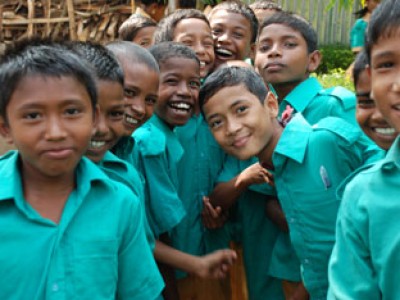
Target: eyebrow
point(383, 54)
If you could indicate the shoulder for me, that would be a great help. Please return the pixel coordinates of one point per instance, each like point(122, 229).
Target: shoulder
point(150, 140)
point(339, 95)
point(337, 128)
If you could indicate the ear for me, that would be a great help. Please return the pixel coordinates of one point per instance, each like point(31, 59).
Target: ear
point(314, 59)
point(271, 105)
point(5, 131)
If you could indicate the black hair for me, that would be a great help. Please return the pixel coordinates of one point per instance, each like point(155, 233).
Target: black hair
point(229, 77)
point(384, 22)
point(45, 58)
point(102, 60)
point(134, 54)
point(297, 23)
point(361, 13)
point(360, 64)
point(131, 26)
point(166, 27)
point(241, 9)
point(167, 50)
point(265, 4)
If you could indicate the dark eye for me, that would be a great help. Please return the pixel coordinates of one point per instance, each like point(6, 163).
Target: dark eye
point(215, 124)
point(241, 109)
point(188, 43)
point(32, 116)
point(130, 93)
point(116, 114)
point(290, 44)
point(171, 81)
point(263, 48)
point(150, 101)
point(366, 103)
point(216, 31)
point(385, 65)
point(194, 84)
point(72, 111)
point(238, 35)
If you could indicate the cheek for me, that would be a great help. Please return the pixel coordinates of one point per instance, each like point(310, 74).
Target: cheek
point(362, 116)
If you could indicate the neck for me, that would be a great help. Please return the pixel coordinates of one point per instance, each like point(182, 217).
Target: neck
point(283, 89)
point(265, 156)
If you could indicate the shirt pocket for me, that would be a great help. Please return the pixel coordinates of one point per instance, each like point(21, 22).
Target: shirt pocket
point(95, 269)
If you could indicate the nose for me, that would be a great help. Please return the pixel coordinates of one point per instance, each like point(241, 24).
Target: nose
point(224, 37)
point(102, 128)
point(274, 51)
point(183, 89)
point(199, 49)
point(138, 107)
point(232, 126)
point(55, 130)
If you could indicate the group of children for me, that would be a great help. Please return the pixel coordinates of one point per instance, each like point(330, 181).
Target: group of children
point(132, 164)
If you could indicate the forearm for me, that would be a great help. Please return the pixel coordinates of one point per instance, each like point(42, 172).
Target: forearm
point(225, 194)
point(175, 258)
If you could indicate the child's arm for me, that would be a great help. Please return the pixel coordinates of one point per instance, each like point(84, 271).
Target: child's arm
point(225, 194)
point(214, 265)
point(274, 212)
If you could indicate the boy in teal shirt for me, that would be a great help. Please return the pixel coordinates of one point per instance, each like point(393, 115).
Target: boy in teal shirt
point(365, 258)
point(308, 161)
point(75, 241)
point(286, 54)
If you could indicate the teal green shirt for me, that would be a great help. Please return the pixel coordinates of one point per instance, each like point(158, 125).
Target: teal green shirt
point(198, 169)
point(357, 33)
point(125, 173)
point(310, 162)
point(366, 257)
point(91, 254)
point(314, 102)
point(257, 234)
point(156, 155)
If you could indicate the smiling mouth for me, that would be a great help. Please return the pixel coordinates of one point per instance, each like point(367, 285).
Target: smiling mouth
point(224, 53)
point(131, 120)
point(240, 142)
point(274, 67)
point(181, 106)
point(97, 144)
point(388, 131)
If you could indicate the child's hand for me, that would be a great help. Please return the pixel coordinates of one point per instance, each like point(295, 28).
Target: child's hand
point(215, 265)
point(255, 174)
point(213, 217)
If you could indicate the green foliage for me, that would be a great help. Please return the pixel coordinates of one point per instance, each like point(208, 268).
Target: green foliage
point(346, 4)
point(336, 77)
point(335, 57)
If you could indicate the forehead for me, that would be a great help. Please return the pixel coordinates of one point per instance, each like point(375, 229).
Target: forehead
point(192, 26)
point(145, 32)
point(279, 31)
point(387, 44)
point(227, 18)
point(49, 89)
point(109, 91)
point(226, 98)
point(179, 65)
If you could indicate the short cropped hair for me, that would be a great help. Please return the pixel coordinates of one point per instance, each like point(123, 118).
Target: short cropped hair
point(42, 58)
point(131, 26)
point(229, 77)
point(360, 64)
point(102, 60)
point(384, 21)
point(133, 53)
point(298, 24)
point(166, 27)
point(265, 4)
point(167, 50)
point(241, 9)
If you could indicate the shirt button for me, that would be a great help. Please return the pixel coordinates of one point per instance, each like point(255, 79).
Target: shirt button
point(55, 287)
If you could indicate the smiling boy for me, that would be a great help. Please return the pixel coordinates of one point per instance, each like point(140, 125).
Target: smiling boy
point(309, 162)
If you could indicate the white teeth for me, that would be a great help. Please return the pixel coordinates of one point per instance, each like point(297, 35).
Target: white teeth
point(131, 120)
point(224, 52)
point(202, 64)
point(180, 105)
point(385, 131)
point(97, 144)
point(397, 107)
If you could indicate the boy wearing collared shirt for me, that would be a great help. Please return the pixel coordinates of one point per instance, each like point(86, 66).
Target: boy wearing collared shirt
point(365, 258)
point(62, 236)
point(309, 162)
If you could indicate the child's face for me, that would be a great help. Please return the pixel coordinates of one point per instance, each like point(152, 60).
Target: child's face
point(50, 121)
point(109, 128)
point(385, 77)
point(282, 55)
point(240, 123)
point(144, 37)
point(196, 34)
point(232, 36)
point(369, 117)
point(141, 94)
point(372, 4)
point(178, 91)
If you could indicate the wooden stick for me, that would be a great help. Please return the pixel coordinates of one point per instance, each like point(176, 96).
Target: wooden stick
point(71, 16)
point(31, 15)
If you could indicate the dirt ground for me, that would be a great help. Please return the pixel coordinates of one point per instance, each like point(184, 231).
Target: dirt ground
point(4, 147)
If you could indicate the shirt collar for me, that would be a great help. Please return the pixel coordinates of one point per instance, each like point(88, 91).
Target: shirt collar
point(294, 140)
point(302, 94)
point(392, 159)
